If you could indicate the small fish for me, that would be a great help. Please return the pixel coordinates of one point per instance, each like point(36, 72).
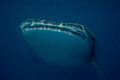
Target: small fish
point(61, 44)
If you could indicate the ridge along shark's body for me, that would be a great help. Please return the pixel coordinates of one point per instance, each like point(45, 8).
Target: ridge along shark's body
point(61, 44)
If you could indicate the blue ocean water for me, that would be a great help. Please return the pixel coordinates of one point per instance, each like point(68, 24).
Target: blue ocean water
point(18, 61)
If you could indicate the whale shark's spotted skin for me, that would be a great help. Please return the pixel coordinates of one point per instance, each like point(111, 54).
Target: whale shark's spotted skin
point(70, 28)
point(61, 44)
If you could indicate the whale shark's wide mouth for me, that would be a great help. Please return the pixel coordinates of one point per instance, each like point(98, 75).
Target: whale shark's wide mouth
point(70, 28)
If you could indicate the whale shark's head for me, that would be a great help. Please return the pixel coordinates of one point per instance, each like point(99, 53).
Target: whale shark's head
point(62, 44)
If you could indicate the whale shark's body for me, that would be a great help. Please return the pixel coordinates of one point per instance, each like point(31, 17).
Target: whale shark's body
point(60, 44)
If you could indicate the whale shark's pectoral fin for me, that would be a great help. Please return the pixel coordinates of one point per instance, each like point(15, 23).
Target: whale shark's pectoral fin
point(94, 71)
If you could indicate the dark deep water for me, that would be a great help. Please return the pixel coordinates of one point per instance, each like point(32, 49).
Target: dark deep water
point(18, 62)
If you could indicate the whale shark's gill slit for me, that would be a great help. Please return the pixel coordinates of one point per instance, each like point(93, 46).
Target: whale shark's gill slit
point(57, 29)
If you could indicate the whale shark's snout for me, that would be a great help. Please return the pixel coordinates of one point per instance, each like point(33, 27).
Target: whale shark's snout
point(62, 44)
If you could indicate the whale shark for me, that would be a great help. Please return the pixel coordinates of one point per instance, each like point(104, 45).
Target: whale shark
point(61, 44)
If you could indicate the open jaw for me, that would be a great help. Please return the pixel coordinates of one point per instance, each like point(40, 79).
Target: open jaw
point(69, 28)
